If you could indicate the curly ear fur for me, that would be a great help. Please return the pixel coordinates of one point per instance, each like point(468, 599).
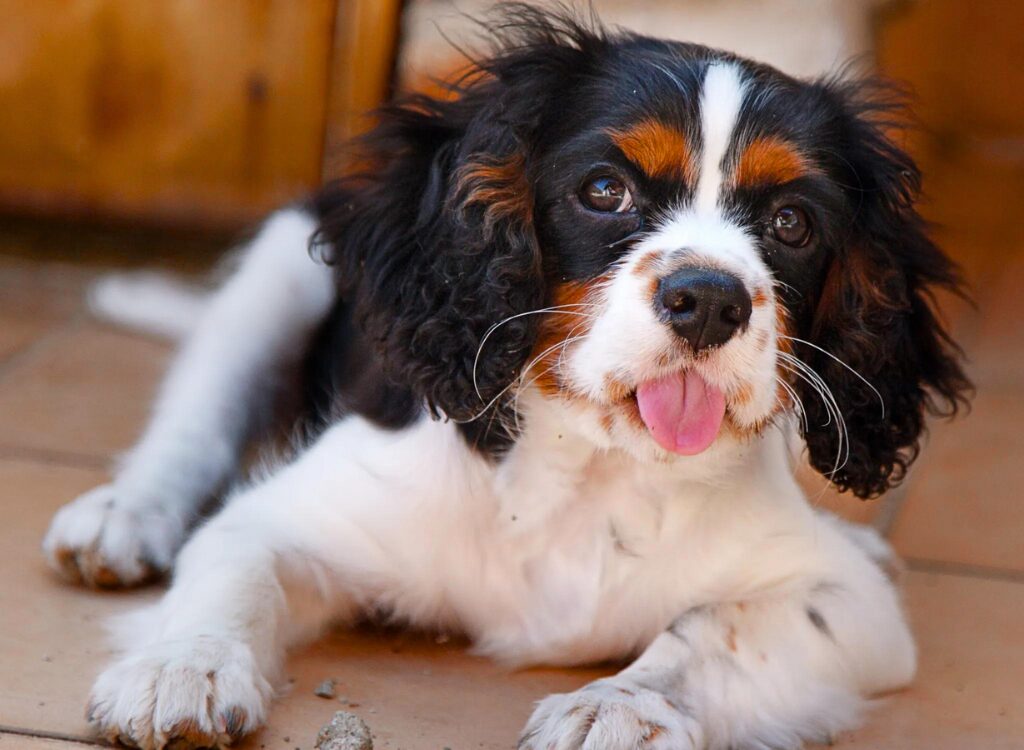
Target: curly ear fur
point(876, 314)
point(434, 243)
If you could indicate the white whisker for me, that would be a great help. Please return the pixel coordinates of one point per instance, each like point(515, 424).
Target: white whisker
point(784, 285)
point(518, 380)
point(805, 372)
point(834, 357)
point(562, 309)
point(794, 399)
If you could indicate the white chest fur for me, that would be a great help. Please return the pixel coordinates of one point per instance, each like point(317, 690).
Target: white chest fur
point(568, 552)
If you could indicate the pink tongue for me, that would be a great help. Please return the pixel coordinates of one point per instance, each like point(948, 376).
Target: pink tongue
point(682, 412)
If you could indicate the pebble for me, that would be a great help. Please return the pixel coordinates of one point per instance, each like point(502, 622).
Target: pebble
point(325, 689)
point(346, 731)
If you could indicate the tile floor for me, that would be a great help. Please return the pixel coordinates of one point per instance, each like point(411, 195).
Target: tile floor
point(73, 393)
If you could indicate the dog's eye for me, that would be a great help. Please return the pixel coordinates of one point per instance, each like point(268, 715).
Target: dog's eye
point(606, 194)
point(791, 226)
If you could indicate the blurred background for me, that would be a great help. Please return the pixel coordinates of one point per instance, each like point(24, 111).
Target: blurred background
point(154, 133)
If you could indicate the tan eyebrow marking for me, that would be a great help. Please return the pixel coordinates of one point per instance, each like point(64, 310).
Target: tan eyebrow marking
point(770, 160)
point(659, 150)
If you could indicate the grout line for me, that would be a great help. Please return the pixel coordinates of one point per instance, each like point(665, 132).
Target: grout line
point(47, 735)
point(48, 328)
point(54, 457)
point(57, 332)
point(966, 570)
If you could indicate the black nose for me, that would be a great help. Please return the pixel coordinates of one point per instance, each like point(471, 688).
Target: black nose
point(704, 306)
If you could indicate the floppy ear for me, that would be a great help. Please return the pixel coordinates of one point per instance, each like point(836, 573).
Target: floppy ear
point(434, 243)
point(877, 342)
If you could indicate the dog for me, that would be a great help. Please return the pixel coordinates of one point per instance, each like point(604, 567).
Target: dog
point(551, 349)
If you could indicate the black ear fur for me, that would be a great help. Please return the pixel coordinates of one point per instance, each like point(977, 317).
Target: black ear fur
point(876, 313)
point(434, 243)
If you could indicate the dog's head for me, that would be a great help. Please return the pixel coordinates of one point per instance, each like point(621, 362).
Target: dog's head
point(683, 243)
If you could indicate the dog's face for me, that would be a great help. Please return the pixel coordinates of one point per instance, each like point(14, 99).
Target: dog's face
point(680, 243)
point(685, 217)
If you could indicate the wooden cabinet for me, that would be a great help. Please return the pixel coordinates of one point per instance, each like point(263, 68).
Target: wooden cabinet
point(964, 63)
point(191, 112)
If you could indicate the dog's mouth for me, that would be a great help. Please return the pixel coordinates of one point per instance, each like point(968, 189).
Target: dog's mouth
point(681, 411)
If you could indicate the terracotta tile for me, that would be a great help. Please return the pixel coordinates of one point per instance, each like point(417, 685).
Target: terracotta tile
point(35, 298)
point(17, 332)
point(997, 353)
point(967, 693)
point(87, 392)
point(412, 692)
point(50, 634)
point(964, 502)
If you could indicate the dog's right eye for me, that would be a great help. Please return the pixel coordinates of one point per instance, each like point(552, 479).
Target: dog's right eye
point(607, 195)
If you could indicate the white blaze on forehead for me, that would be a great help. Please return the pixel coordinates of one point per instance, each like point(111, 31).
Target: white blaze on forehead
point(720, 102)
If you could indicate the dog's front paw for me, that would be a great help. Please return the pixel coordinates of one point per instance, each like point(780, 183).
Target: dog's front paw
point(610, 714)
point(198, 692)
point(98, 541)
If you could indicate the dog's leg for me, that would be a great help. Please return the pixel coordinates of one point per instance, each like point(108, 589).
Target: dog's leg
point(122, 533)
point(770, 672)
point(313, 543)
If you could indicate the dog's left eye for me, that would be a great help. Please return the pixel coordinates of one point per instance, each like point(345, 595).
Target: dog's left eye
point(791, 226)
point(607, 195)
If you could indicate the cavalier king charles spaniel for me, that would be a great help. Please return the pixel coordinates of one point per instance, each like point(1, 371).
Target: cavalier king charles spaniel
point(554, 345)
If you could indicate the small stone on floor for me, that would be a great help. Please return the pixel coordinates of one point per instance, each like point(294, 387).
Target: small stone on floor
point(345, 732)
point(325, 689)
